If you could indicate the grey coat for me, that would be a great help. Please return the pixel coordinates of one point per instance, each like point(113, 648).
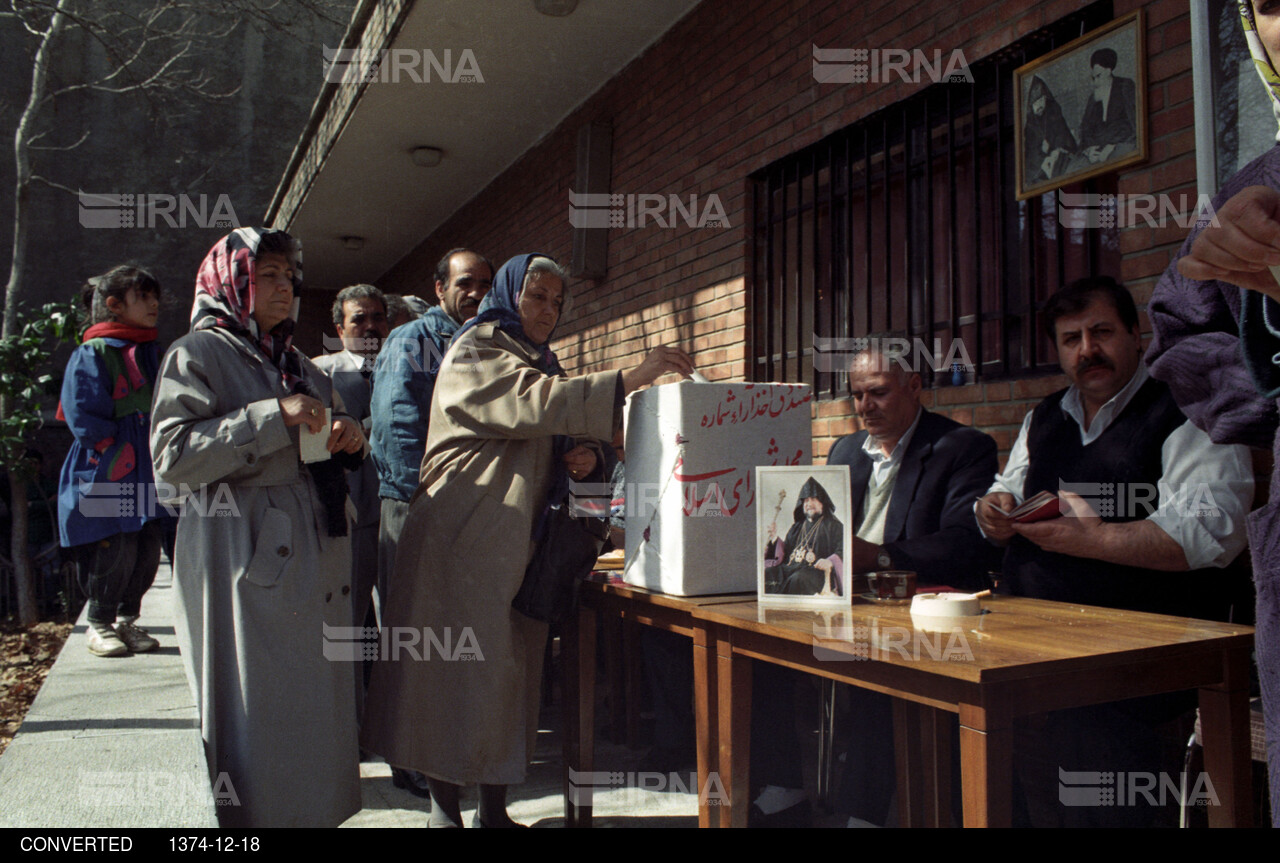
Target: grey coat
point(255, 587)
point(343, 369)
point(455, 693)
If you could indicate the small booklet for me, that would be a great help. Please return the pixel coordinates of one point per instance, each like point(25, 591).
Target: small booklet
point(1037, 508)
point(314, 447)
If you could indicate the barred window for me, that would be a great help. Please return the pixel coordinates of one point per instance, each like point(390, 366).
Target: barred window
point(907, 222)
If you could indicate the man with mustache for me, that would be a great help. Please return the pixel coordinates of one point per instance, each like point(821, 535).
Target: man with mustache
point(403, 380)
point(1166, 512)
point(1114, 425)
point(360, 320)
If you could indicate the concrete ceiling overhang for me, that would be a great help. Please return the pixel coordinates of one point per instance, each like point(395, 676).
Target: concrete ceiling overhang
point(535, 71)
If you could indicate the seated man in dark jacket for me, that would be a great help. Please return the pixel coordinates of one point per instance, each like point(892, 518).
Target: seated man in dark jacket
point(914, 476)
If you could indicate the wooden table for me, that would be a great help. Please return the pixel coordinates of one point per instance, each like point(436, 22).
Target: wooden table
point(1024, 656)
point(637, 605)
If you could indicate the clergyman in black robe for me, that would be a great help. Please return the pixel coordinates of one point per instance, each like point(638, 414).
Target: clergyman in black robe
point(810, 561)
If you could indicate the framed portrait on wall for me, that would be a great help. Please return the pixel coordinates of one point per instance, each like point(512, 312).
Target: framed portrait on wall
point(804, 534)
point(1081, 110)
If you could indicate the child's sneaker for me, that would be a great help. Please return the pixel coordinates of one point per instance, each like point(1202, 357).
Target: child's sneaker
point(137, 639)
point(103, 641)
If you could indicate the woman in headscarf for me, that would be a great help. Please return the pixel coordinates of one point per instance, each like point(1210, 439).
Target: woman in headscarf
point(1217, 342)
point(457, 694)
point(263, 557)
point(1047, 139)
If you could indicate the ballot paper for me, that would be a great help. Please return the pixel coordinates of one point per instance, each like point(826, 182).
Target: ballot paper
point(315, 446)
point(692, 450)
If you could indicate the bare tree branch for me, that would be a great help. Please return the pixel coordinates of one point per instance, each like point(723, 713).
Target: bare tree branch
point(33, 31)
point(36, 178)
point(154, 49)
point(34, 138)
point(17, 13)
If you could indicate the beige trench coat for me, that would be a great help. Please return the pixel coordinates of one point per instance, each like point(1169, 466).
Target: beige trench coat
point(254, 586)
point(469, 712)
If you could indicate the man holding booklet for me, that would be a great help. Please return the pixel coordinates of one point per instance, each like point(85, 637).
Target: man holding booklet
point(1137, 509)
point(1140, 487)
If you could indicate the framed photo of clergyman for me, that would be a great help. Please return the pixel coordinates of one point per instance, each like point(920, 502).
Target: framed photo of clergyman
point(1081, 110)
point(804, 533)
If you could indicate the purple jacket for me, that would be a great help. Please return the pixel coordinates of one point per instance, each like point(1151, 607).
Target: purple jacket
point(1199, 351)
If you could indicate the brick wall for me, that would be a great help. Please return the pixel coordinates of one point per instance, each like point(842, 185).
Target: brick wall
point(728, 91)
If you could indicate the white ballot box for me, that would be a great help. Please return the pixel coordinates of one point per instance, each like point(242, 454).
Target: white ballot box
point(691, 451)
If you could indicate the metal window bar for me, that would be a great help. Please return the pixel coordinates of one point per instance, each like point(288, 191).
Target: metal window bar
point(785, 289)
point(975, 132)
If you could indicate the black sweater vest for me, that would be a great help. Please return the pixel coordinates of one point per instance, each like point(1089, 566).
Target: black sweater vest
point(1119, 471)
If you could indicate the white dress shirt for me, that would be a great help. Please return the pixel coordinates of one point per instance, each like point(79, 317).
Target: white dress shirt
point(883, 465)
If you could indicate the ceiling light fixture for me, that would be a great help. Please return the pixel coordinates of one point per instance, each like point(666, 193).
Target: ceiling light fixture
point(426, 157)
point(555, 8)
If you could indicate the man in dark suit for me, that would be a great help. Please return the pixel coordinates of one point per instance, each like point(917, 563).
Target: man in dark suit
point(360, 320)
point(914, 476)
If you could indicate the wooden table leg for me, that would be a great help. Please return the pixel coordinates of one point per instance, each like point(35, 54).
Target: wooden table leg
point(922, 752)
point(706, 724)
point(935, 740)
point(906, 752)
point(986, 767)
point(579, 716)
point(1224, 730)
point(733, 685)
point(632, 663)
point(613, 646)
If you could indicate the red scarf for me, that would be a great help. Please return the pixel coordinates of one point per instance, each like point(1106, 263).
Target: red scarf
point(116, 330)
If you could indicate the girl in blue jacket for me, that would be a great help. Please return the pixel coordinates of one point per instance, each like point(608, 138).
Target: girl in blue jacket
point(107, 508)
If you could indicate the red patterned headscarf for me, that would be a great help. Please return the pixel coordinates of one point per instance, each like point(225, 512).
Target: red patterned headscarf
point(225, 292)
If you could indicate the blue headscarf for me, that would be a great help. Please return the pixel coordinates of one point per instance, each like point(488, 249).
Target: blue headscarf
point(502, 307)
